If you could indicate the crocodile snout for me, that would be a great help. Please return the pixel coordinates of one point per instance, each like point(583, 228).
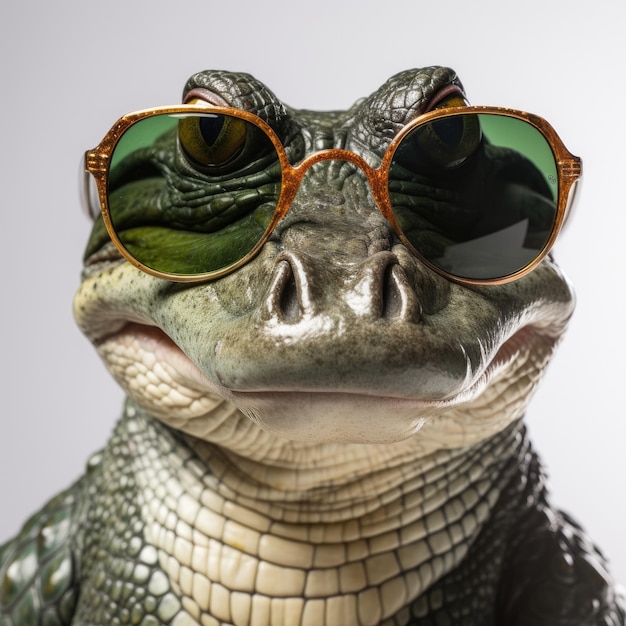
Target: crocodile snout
point(376, 289)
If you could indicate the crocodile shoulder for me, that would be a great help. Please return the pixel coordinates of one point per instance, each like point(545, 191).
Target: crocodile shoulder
point(39, 567)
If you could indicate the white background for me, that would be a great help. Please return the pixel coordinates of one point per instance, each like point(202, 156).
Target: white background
point(69, 69)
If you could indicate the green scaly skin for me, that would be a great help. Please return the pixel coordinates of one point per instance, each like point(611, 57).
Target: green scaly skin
point(330, 435)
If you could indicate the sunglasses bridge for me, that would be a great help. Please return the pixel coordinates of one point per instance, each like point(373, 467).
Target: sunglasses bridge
point(293, 175)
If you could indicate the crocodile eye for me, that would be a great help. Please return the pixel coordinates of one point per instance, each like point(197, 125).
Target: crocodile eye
point(442, 144)
point(212, 140)
point(455, 100)
point(449, 142)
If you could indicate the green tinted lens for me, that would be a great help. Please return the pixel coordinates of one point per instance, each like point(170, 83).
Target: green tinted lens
point(194, 193)
point(475, 194)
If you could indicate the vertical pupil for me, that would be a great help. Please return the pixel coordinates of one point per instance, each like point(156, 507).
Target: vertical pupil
point(449, 130)
point(211, 128)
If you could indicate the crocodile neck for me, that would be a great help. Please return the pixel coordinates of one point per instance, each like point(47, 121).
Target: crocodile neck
point(343, 531)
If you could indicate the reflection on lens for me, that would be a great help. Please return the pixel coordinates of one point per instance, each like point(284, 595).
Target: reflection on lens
point(192, 194)
point(475, 194)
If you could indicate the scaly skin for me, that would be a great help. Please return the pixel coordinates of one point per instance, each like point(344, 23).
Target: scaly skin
point(331, 435)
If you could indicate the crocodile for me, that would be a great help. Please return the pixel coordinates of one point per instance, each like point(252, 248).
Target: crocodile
point(330, 434)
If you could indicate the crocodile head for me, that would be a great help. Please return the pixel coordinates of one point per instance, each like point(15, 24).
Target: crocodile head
point(334, 330)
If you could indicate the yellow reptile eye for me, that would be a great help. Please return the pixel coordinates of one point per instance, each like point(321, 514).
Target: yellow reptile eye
point(455, 100)
point(212, 140)
point(442, 144)
point(448, 142)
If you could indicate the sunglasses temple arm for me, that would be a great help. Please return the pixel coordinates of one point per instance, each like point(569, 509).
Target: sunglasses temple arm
point(572, 202)
point(88, 192)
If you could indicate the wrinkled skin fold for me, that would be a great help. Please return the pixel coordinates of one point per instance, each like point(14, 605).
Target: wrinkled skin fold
point(332, 434)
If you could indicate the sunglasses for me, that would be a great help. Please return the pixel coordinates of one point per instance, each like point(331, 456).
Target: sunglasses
point(190, 193)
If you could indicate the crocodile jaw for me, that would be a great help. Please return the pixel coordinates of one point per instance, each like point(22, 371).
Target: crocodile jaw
point(182, 398)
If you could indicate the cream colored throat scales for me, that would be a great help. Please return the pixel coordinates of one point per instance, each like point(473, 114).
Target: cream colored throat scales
point(352, 535)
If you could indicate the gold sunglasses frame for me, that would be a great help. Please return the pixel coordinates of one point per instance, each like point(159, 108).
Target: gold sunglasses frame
point(98, 161)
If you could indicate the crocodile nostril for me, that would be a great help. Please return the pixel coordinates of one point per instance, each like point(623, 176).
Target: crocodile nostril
point(288, 298)
point(391, 305)
point(400, 302)
point(382, 290)
point(287, 295)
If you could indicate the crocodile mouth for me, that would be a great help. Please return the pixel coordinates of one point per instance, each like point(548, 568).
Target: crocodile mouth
point(150, 345)
point(166, 382)
point(150, 348)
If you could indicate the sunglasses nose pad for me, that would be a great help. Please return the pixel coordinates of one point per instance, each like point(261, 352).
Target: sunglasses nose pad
point(88, 193)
